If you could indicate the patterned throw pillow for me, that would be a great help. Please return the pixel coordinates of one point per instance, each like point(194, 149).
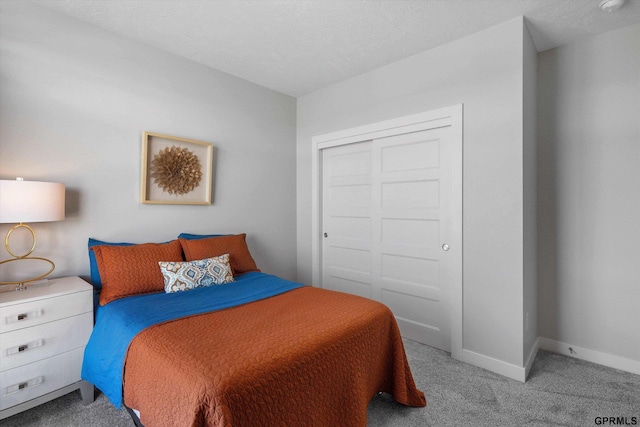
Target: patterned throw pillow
point(183, 276)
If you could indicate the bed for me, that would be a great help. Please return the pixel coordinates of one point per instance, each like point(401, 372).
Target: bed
point(254, 350)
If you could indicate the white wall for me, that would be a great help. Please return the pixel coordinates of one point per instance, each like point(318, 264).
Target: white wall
point(529, 124)
point(74, 101)
point(484, 72)
point(589, 198)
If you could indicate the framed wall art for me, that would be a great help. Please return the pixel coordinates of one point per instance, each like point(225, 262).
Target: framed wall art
point(175, 170)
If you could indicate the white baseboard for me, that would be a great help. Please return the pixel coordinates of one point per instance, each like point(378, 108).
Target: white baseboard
point(593, 356)
point(532, 358)
point(500, 367)
point(519, 373)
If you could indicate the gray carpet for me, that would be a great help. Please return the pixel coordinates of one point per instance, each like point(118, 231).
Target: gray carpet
point(560, 391)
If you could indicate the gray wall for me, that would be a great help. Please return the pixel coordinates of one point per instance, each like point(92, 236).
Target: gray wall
point(74, 101)
point(484, 72)
point(589, 198)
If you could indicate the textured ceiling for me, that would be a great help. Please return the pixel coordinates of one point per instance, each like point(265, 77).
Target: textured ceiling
point(296, 47)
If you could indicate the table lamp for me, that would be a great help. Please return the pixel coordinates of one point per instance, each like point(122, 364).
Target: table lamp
point(29, 201)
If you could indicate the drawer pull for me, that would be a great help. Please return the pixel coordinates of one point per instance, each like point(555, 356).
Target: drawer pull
point(23, 316)
point(23, 385)
point(24, 347)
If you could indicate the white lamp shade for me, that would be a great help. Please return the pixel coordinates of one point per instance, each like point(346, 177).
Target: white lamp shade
point(31, 201)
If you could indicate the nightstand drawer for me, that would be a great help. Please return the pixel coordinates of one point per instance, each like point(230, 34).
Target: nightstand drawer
point(18, 316)
point(32, 344)
point(35, 379)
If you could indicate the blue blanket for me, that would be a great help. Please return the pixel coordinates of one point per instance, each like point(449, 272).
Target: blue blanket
point(118, 322)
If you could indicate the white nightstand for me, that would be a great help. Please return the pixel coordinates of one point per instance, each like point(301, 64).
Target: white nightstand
point(43, 332)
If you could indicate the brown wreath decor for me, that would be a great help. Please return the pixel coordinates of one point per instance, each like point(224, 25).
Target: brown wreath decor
point(176, 170)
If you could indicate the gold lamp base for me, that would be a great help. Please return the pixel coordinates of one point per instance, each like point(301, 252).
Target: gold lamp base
point(21, 283)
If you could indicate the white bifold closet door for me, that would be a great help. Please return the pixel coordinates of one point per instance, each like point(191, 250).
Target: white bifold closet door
point(386, 224)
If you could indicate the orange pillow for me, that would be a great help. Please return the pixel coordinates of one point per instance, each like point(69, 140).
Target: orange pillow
point(132, 270)
point(234, 245)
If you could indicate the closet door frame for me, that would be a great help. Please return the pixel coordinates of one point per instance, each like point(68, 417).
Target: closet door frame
point(449, 116)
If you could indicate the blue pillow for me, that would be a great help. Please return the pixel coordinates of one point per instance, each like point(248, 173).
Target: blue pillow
point(190, 236)
point(93, 264)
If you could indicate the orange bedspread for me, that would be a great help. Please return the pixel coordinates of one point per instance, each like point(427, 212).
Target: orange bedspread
point(308, 357)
